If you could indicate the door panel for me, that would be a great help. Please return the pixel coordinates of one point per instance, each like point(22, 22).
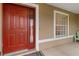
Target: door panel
point(16, 28)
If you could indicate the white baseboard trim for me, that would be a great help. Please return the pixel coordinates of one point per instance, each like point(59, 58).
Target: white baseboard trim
point(52, 39)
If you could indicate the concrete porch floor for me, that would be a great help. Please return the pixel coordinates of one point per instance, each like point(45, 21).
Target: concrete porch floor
point(69, 49)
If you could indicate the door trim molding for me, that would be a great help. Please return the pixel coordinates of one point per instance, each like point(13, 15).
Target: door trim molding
point(1, 39)
point(36, 6)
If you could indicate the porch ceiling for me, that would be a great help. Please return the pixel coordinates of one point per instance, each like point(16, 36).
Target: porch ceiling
point(72, 7)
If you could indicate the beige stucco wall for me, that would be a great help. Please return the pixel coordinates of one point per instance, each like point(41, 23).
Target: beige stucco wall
point(0, 25)
point(77, 22)
point(46, 21)
point(46, 15)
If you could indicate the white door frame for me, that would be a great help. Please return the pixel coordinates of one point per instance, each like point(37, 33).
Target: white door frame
point(36, 6)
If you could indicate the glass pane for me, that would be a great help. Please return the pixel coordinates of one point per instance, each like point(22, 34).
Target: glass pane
point(31, 30)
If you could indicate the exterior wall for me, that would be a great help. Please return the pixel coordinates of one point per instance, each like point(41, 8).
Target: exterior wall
point(0, 25)
point(46, 21)
point(46, 16)
point(77, 22)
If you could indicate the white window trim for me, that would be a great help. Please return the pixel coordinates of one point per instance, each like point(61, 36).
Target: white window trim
point(55, 11)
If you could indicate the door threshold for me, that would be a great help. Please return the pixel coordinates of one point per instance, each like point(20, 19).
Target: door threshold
point(26, 53)
point(20, 53)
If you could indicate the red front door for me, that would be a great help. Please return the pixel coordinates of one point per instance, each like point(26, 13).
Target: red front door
point(18, 28)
